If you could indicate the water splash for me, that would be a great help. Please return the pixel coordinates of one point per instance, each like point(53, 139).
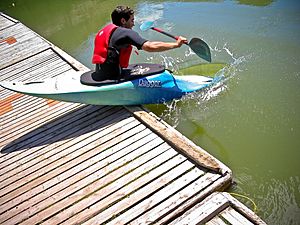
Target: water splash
point(200, 101)
point(148, 11)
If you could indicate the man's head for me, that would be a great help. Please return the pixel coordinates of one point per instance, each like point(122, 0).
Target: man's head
point(123, 16)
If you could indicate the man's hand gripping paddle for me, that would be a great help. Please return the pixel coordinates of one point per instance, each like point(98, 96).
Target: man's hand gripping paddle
point(196, 44)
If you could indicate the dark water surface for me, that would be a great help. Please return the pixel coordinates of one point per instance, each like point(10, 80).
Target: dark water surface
point(251, 120)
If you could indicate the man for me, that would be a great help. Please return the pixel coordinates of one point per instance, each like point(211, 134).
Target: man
point(113, 44)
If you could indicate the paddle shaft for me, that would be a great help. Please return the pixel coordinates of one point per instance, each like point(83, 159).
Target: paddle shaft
point(197, 45)
point(165, 33)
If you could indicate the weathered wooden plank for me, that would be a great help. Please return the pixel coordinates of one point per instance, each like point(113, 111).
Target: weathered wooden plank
point(6, 21)
point(31, 127)
point(234, 218)
point(7, 105)
point(25, 115)
point(216, 221)
point(62, 142)
point(151, 195)
point(64, 121)
point(169, 207)
point(77, 177)
point(20, 34)
point(178, 141)
point(32, 124)
point(28, 43)
point(40, 119)
point(155, 179)
point(17, 103)
point(29, 64)
point(40, 165)
point(203, 212)
point(24, 105)
point(48, 172)
point(22, 39)
point(106, 186)
point(165, 199)
point(41, 71)
point(52, 135)
point(4, 93)
point(32, 160)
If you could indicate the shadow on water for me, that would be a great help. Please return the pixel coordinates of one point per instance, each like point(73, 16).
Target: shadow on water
point(86, 119)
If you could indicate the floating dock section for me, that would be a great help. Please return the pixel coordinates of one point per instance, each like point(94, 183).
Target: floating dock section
point(67, 163)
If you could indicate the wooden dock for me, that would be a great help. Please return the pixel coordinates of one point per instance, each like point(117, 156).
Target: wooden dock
point(67, 163)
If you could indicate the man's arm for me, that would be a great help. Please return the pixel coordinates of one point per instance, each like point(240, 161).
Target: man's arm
point(158, 46)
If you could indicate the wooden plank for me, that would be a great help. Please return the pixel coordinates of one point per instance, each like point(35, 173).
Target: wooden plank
point(12, 143)
point(155, 179)
point(28, 43)
point(149, 196)
point(29, 64)
point(75, 178)
point(178, 141)
point(21, 36)
point(24, 37)
point(18, 104)
point(33, 160)
point(50, 129)
point(6, 21)
point(104, 188)
point(92, 161)
point(50, 68)
point(41, 120)
point(234, 218)
point(164, 202)
point(25, 105)
point(203, 212)
point(13, 190)
point(25, 116)
point(169, 207)
point(59, 158)
point(51, 174)
point(216, 221)
point(53, 138)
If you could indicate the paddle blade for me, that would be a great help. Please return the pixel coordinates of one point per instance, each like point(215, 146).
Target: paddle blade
point(200, 48)
point(146, 25)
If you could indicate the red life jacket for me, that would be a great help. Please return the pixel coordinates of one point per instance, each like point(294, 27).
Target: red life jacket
point(101, 47)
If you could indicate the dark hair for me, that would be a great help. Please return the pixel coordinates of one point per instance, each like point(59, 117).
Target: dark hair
point(119, 13)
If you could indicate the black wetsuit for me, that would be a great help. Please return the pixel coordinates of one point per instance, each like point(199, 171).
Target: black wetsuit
point(120, 38)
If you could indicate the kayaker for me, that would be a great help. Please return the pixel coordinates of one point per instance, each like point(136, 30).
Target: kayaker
point(113, 44)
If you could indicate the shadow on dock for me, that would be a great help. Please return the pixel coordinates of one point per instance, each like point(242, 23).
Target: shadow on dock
point(82, 121)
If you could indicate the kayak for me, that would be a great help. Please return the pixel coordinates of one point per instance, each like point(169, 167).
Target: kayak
point(142, 85)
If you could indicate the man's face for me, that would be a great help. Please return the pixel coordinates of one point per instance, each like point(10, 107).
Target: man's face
point(129, 23)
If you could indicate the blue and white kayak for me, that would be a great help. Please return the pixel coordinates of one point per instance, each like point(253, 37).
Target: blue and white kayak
point(143, 89)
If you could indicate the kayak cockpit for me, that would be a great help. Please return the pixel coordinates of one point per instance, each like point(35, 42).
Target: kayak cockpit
point(132, 72)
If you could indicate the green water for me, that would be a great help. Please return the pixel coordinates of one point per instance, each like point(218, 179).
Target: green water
point(250, 121)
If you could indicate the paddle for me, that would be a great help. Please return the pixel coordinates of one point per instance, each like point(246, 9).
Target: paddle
point(196, 44)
